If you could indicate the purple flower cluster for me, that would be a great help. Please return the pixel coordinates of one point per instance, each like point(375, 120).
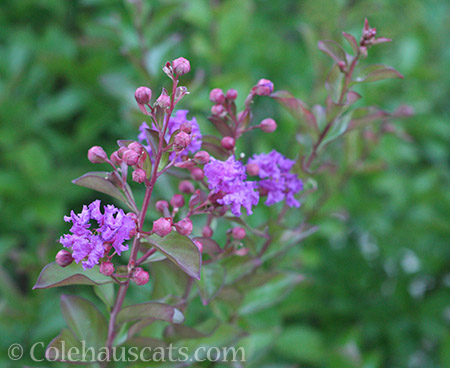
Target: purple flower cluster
point(114, 227)
point(175, 122)
point(278, 182)
point(229, 177)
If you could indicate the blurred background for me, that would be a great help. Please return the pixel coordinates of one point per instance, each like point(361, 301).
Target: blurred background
point(68, 71)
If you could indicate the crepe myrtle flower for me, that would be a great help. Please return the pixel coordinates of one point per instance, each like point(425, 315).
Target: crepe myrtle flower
point(229, 177)
point(175, 123)
point(277, 180)
point(89, 242)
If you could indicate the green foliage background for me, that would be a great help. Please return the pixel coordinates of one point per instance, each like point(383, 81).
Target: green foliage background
point(378, 293)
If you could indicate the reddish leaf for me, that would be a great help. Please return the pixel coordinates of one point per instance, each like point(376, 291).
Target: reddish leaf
point(333, 50)
point(100, 181)
point(377, 72)
point(352, 41)
point(159, 311)
point(296, 107)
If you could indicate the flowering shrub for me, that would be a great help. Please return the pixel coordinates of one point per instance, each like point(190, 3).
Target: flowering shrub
point(217, 185)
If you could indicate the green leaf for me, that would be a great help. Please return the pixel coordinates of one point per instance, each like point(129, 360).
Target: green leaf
point(301, 343)
point(169, 281)
point(106, 293)
point(100, 181)
point(211, 282)
point(334, 83)
point(159, 311)
point(59, 347)
point(54, 275)
point(84, 320)
point(269, 293)
point(181, 250)
point(377, 72)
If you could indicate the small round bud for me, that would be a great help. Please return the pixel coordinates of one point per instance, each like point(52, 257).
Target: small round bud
point(202, 157)
point(139, 176)
point(199, 245)
point(136, 147)
point(197, 174)
point(107, 268)
point(228, 143)
point(140, 277)
point(143, 95)
point(218, 110)
point(64, 258)
point(252, 169)
point(264, 87)
point(163, 101)
point(182, 140)
point(162, 227)
point(121, 151)
point(238, 233)
point(133, 216)
point(115, 159)
point(181, 66)
point(184, 227)
point(207, 232)
point(268, 125)
point(216, 95)
point(97, 155)
point(186, 127)
point(130, 157)
point(161, 206)
point(186, 187)
point(177, 201)
point(232, 94)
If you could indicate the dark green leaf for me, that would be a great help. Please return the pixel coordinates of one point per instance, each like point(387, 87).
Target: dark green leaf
point(159, 311)
point(84, 320)
point(54, 275)
point(101, 182)
point(181, 250)
point(211, 281)
point(59, 347)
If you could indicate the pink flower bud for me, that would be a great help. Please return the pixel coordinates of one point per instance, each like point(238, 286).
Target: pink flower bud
point(242, 252)
point(202, 157)
point(199, 245)
point(163, 101)
point(161, 206)
point(181, 66)
point(228, 143)
point(139, 176)
point(97, 155)
point(268, 125)
point(64, 258)
point(107, 268)
point(186, 127)
point(115, 159)
point(121, 151)
point(238, 233)
point(184, 227)
point(186, 187)
point(143, 95)
point(130, 157)
point(162, 226)
point(207, 232)
point(136, 147)
point(177, 201)
point(140, 277)
point(218, 110)
point(133, 216)
point(264, 87)
point(182, 140)
point(232, 94)
point(216, 95)
point(252, 169)
point(197, 174)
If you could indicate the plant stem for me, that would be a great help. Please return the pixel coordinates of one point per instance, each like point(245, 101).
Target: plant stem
point(136, 242)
